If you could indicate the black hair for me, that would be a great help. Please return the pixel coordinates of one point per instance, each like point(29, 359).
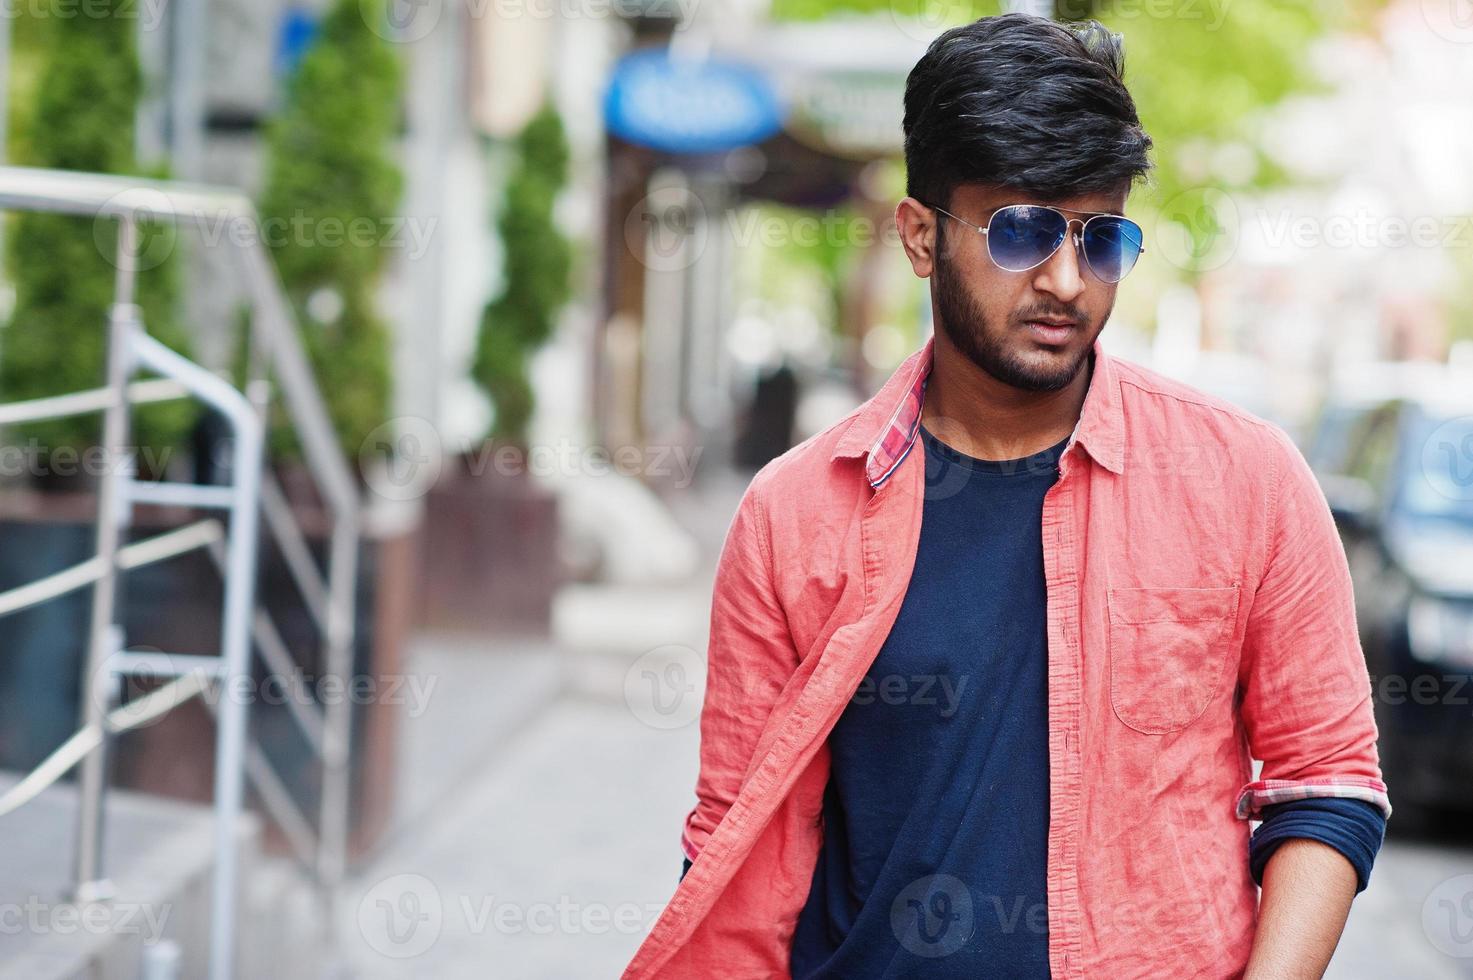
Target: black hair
point(1022, 102)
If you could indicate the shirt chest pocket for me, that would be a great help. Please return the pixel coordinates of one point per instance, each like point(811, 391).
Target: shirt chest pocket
point(1169, 649)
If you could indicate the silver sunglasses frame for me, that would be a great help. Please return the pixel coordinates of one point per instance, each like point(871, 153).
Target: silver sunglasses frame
point(1068, 224)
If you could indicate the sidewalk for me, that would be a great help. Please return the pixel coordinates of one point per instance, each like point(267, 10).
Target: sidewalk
point(570, 769)
point(552, 864)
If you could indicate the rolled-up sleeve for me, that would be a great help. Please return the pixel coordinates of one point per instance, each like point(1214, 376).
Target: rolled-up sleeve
point(1352, 827)
point(750, 658)
point(1306, 696)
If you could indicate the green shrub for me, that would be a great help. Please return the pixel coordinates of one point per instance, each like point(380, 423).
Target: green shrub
point(62, 267)
point(538, 262)
point(329, 165)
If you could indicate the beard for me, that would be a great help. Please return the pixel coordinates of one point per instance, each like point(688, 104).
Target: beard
point(986, 345)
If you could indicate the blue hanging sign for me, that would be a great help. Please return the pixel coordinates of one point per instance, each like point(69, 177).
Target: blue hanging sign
point(295, 34)
point(696, 106)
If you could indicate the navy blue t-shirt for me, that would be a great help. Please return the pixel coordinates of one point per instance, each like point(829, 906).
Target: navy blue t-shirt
point(936, 815)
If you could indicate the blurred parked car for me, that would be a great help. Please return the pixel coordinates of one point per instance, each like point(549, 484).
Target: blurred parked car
point(1398, 473)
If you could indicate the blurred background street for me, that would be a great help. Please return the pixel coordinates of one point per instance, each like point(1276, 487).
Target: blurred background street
point(378, 379)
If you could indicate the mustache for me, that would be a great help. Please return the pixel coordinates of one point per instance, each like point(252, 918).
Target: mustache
point(1052, 311)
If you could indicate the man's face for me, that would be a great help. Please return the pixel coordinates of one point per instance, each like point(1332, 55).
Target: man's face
point(1033, 330)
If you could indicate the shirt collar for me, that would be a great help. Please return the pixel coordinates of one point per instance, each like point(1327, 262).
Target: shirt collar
point(887, 425)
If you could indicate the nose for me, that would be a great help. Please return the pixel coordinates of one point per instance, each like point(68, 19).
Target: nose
point(1060, 275)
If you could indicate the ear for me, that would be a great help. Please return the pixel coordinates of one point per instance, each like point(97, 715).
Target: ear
point(916, 224)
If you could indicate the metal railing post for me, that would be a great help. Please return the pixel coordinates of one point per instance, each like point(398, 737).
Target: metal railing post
point(90, 885)
point(240, 581)
point(338, 715)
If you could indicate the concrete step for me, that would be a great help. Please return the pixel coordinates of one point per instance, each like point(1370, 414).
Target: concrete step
point(158, 854)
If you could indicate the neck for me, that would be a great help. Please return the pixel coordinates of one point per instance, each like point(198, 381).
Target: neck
point(974, 413)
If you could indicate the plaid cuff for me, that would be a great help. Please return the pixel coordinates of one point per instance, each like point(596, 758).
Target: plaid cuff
point(1265, 792)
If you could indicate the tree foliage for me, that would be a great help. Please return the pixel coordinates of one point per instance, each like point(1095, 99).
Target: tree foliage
point(1201, 74)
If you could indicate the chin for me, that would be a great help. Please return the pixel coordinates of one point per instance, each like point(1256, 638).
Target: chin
point(1045, 367)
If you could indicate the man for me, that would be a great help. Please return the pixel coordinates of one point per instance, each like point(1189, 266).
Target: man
point(990, 659)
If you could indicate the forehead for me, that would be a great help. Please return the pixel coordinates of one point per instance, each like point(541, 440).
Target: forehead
point(978, 198)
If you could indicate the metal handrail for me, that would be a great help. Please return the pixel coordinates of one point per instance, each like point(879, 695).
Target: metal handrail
point(274, 352)
point(91, 571)
point(88, 739)
point(83, 402)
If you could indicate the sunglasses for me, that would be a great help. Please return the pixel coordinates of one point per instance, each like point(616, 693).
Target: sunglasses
point(1024, 236)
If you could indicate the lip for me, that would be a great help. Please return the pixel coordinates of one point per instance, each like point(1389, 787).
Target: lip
point(1054, 332)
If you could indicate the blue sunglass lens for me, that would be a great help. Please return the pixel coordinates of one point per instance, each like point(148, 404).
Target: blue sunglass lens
point(1021, 237)
point(1111, 247)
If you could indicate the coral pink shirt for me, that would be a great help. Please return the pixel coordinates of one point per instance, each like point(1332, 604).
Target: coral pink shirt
point(1200, 615)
